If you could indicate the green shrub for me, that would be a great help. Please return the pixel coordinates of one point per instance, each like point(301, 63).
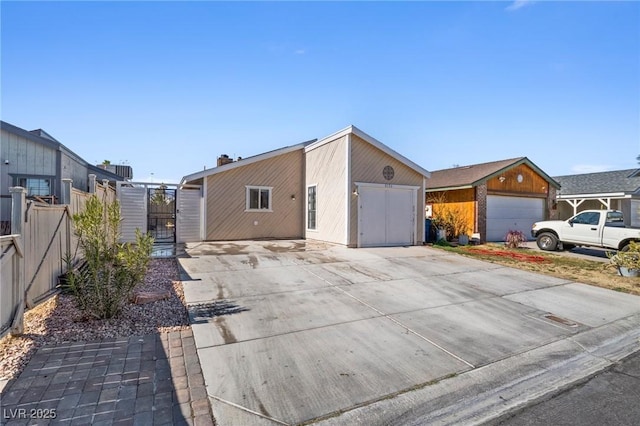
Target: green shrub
point(111, 269)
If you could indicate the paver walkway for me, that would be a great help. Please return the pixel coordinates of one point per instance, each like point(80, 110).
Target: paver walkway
point(142, 380)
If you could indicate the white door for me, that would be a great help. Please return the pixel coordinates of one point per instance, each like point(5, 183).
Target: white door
point(512, 213)
point(188, 215)
point(583, 229)
point(133, 208)
point(386, 216)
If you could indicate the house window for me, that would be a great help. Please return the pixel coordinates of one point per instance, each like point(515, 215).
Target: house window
point(259, 198)
point(35, 186)
point(311, 207)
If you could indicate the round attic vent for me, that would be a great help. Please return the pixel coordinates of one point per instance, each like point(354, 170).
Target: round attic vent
point(388, 172)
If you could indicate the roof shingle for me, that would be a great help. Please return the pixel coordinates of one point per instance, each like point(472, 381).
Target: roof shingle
point(603, 182)
point(467, 175)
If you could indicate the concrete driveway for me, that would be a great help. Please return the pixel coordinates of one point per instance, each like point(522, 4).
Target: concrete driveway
point(290, 332)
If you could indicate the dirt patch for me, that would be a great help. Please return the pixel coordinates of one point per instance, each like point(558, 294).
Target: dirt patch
point(511, 254)
point(579, 270)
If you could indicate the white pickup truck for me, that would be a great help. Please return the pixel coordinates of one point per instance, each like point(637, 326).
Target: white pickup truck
point(595, 228)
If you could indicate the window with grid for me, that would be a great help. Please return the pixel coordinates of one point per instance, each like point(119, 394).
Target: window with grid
point(311, 207)
point(258, 198)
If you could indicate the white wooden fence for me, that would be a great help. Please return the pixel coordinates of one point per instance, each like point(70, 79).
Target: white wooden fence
point(33, 255)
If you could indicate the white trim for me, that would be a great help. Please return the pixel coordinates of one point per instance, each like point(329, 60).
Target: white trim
point(386, 185)
point(619, 195)
point(347, 219)
point(248, 189)
point(203, 219)
point(373, 141)
point(243, 162)
point(306, 209)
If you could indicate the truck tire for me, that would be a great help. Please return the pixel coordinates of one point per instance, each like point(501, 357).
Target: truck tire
point(547, 241)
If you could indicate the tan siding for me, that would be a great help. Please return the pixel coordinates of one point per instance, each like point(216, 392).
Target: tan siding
point(326, 166)
point(367, 163)
point(226, 200)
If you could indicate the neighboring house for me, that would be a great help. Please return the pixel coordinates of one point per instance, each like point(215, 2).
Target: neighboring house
point(496, 197)
point(38, 162)
point(347, 188)
point(619, 190)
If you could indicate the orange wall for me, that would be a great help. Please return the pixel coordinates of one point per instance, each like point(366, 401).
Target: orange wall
point(532, 183)
point(460, 201)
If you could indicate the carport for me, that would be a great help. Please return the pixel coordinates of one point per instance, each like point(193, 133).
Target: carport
point(296, 331)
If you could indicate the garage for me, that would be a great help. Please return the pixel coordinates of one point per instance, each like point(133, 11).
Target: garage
point(506, 213)
point(386, 216)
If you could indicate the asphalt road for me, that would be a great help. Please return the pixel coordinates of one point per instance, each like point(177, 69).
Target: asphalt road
point(587, 253)
point(609, 398)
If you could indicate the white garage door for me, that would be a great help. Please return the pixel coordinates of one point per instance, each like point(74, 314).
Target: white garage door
point(386, 216)
point(512, 213)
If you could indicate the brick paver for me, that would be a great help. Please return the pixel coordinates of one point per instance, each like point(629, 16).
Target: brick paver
point(141, 380)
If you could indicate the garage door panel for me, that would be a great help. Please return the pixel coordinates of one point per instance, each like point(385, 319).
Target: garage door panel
point(373, 212)
point(386, 216)
point(400, 217)
point(512, 213)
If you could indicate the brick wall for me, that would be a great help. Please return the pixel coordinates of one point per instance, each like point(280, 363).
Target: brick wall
point(481, 197)
point(552, 213)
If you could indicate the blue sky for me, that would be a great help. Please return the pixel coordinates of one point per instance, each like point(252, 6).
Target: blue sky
point(167, 87)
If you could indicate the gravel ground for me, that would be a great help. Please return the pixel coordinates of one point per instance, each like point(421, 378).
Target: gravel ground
point(58, 320)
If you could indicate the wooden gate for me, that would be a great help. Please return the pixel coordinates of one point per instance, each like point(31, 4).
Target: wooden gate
point(171, 213)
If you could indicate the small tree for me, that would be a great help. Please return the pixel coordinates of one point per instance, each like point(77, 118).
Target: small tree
point(111, 269)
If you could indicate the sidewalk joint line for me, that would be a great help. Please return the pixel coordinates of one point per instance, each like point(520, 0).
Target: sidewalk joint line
point(224, 401)
point(393, 320)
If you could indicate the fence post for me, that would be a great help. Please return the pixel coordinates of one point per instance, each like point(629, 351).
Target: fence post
point(67, 185)
point(18, 208)
point(66, 190)
point(92, 183)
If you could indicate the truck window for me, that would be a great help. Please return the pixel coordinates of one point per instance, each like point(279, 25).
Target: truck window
point(615, 219)
point(587, 218)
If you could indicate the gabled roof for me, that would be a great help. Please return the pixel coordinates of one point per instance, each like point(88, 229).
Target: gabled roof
point(245, 161)
point(373, 141)
point(33, 135)
point(44, 138)
point(617, 181)
point(476, 174)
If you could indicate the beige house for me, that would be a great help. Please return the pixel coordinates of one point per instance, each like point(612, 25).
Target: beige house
point(347, 188)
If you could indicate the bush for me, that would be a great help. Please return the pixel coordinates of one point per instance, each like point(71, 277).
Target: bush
point(514, 239)
point(111, 269)
point(629, 259)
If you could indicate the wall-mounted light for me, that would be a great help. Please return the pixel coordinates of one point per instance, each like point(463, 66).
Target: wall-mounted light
point(293, 197)
point(502, 179)
point(355, 191)
point(6, 161)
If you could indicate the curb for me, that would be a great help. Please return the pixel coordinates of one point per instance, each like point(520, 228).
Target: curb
point(492, 392)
